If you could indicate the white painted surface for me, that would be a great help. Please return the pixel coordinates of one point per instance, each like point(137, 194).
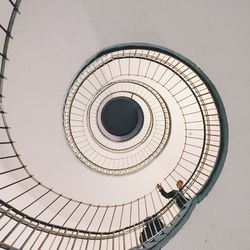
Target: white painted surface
point(213, 34)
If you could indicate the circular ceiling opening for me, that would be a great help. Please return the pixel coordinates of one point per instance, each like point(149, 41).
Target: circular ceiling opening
point(122, 117)
point(151, 82)
point(117, 116)
point(146, 83)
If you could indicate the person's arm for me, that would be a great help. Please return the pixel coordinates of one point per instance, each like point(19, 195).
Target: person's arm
point(167, 195)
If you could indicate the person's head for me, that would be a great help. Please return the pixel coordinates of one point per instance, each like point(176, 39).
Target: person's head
point(179, 184)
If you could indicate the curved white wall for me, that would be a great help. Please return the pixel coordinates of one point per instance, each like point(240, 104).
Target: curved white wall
point(60, 34)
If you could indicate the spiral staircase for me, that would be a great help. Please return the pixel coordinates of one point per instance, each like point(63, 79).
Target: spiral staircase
point(174, 118)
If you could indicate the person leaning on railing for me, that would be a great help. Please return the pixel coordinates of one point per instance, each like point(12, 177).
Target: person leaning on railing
point(176, 194)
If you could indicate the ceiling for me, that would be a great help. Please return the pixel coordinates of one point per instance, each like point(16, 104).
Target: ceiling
point(52, 40)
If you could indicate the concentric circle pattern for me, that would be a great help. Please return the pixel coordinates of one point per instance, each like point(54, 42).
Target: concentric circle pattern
point(144, 76)
point(176, 128)
point(94, 145)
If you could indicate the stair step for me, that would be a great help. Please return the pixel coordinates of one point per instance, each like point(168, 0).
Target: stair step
point(160, 237)
point(149, 245)
point(167, 230)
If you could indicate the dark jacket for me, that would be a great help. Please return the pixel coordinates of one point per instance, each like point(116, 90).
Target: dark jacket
point(153, 225)
point(177, 195)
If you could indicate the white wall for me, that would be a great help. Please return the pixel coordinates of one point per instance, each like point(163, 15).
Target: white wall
point(213, 34)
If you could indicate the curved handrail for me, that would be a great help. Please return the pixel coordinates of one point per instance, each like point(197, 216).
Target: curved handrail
point(9, 211)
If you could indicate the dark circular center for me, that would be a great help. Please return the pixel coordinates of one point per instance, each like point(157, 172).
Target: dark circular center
point(122, 116)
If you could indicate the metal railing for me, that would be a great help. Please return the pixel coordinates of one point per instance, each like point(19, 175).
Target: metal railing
point(37, 217)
